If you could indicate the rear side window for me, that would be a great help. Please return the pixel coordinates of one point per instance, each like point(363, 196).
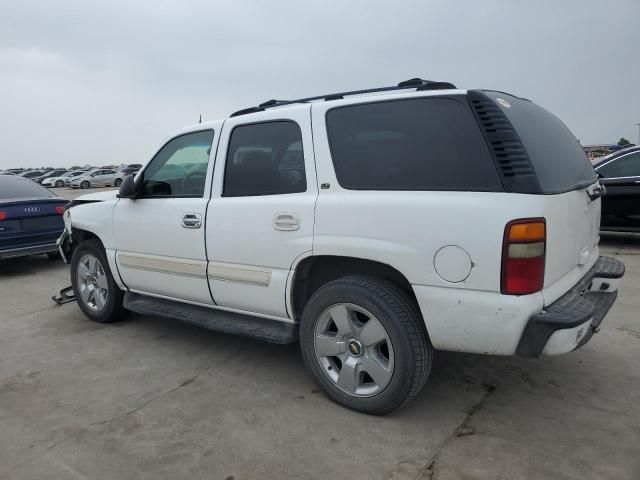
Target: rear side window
point(265, 159)
point(12, 187)
point(625, 166)
point(559, 162)
point(416, 144)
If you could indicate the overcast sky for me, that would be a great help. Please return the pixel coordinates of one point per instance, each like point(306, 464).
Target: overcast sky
point(87, 82)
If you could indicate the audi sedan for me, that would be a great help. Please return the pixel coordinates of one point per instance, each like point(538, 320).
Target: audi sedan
point(30, 218)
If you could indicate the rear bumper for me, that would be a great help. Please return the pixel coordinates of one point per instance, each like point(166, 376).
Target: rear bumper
point(570, 321)
point(31, 250)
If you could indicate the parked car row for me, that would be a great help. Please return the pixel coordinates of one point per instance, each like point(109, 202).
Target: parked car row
point(77, 178)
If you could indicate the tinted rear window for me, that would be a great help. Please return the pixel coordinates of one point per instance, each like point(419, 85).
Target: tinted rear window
point(415, 144)
point(12, 187)
point(559, 162)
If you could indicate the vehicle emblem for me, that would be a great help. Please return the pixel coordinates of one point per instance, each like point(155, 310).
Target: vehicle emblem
point(32, 209)
point(355, 348)
point(503, 102)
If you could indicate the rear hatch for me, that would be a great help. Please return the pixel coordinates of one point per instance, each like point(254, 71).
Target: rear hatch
point(537, 154)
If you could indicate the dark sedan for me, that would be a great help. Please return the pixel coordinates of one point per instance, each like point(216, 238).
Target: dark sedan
point(30, 218)
point(620, 174)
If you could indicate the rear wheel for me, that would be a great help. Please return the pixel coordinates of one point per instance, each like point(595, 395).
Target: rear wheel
point(59, 183)
point(364, 341)
point(97, 293)
point(84, 184)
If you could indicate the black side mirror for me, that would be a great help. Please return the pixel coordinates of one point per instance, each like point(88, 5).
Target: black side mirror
point(128, 188)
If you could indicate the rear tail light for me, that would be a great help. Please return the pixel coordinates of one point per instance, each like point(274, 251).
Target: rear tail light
point(523, 252)
point(3, 215)
point(60, 209)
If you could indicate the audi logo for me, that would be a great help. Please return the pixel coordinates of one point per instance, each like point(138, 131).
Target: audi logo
point(32, 209)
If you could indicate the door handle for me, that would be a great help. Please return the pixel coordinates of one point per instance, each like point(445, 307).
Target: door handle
point(286, 221)
point(192, 220)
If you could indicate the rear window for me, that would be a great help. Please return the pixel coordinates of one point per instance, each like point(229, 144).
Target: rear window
point(12, 187)
point(559, 162)
point(415, 144)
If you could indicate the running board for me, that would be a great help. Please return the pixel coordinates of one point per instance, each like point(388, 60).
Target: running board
point(272, 331)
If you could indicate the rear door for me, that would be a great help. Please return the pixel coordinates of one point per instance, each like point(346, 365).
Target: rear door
point(261, 215)
point(621, 204)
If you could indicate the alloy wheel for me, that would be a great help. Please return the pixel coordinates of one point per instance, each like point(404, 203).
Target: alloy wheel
point(92, 282)
point(354, 350)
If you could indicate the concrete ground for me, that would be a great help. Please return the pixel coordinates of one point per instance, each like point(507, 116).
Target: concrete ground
point(148, 398)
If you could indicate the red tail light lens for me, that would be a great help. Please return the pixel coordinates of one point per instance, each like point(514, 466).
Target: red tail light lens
point(3, 215)
point(523, 251)
point(60, 210)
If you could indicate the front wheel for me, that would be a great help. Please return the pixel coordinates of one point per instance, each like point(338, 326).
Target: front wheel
point(365, 343)
point(59, 184)
point(97, 293)
point(84, 184)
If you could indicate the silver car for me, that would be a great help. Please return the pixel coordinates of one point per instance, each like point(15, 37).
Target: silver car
point(62, 180)
point(98, 177)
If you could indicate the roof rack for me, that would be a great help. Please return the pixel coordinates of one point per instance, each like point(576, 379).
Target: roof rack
point(417, 83)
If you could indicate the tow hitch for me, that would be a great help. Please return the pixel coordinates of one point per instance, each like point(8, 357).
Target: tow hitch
point(65, 296)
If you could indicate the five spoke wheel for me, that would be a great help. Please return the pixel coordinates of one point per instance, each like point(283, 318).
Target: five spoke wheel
point(354, 350)
point(92, 282)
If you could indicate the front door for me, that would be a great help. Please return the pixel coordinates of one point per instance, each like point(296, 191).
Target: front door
point(261, 214)
point(160, 237)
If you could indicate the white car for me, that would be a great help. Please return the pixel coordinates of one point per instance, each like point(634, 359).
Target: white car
point(61, 180)
point(97, 177)
point(373, 227)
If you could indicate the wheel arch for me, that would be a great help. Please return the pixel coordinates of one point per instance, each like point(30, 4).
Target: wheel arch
point(312, 272)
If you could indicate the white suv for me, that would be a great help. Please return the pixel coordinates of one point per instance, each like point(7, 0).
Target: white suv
point(371, 226)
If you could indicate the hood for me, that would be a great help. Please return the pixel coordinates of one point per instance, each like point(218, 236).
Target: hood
point(98, 196)
point(92, 197)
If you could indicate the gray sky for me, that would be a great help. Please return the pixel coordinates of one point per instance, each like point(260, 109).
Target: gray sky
point(83, 82)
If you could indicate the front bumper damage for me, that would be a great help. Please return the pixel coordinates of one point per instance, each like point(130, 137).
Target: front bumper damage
point(570, 322)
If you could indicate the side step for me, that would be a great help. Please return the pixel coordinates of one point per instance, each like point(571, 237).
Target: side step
point(271, 331)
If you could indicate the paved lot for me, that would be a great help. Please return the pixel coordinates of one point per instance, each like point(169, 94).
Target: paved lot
point(153, 399)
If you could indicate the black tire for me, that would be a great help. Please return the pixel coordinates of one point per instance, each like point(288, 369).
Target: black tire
point(117, 182)
point(59, 184)
point(400, 317)
point(113, 309)
point(85, 184)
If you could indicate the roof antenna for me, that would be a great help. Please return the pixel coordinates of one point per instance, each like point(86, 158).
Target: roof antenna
point(200, 121)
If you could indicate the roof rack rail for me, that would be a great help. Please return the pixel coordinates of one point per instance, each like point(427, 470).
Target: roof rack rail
point(417, 83)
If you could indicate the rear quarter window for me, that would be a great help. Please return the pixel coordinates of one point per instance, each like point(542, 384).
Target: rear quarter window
point(559, 162)
point(414, 144)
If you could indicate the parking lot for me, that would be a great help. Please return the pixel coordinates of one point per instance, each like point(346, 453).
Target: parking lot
point(152, 398)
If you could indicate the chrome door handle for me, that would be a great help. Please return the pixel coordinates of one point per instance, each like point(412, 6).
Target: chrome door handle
point(286, 221)
point(192, 220)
